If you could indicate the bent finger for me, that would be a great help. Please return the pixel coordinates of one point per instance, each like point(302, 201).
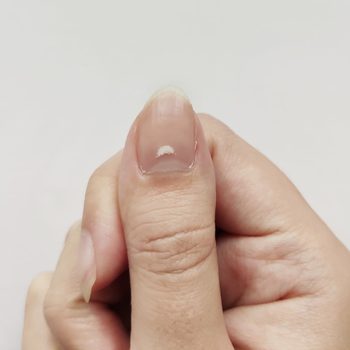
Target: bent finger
point(254, 196)
point(76, 324)
point(105, 259)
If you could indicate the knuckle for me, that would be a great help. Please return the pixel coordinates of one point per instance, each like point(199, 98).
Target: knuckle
point(94, 179)
point(73, 231)
point(38, 287)
point(108, 168)
point(96, 182)
point(101, 178)
point(100, 203)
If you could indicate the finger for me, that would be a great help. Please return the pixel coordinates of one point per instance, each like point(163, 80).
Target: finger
point(268, 225)
point(254, 197)
point(167, 205)
point(101, 228)
point(74, 323)
point(36, 333)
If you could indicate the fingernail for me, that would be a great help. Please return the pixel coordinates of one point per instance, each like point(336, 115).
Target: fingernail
point(87, 264)
point(166, 135)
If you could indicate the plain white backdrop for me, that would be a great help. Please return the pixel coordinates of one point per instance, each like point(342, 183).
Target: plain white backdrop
point(74, 74)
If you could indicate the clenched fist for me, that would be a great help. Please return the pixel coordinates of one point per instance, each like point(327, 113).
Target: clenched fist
point(192, 239)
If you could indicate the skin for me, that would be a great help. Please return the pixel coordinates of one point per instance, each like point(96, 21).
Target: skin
point(282, 276)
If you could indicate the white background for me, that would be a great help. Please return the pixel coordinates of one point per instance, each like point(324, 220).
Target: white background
point(73, 75)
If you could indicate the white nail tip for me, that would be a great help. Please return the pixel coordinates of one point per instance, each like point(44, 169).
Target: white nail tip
point(165, 150)
point(169, 90)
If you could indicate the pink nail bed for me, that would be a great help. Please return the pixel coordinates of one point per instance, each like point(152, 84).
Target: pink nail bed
point(166, 135)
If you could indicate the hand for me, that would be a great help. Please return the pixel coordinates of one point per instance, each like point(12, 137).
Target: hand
point(223, 253)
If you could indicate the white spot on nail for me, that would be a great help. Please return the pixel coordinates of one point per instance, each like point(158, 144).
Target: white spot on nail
point(163, 150)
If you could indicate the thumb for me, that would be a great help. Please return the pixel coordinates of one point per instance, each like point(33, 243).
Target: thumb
point(167, 206)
